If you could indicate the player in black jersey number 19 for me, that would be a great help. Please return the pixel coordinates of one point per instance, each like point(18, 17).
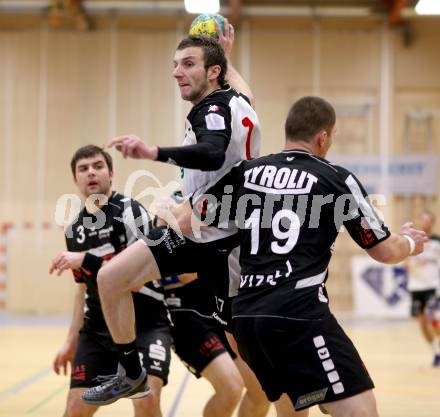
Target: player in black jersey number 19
point(289, 208)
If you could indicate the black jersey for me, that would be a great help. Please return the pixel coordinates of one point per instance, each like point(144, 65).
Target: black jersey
point(102, 235)
point(289, 208)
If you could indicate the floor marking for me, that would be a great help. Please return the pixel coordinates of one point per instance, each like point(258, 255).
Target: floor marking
point(179, 395)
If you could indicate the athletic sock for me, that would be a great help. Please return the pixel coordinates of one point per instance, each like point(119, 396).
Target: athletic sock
point(129, 358)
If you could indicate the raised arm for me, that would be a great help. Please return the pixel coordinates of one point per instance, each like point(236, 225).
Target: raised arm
point(233, 77)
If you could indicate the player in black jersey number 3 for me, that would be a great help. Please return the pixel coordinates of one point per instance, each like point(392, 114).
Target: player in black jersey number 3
point(289, 208)
point(107, 224)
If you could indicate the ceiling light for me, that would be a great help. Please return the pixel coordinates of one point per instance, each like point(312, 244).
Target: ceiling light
point(428, 7)
point(202, 6)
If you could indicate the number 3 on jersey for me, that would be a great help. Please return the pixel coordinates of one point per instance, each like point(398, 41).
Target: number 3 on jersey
point(288, 219)
point(246, 122)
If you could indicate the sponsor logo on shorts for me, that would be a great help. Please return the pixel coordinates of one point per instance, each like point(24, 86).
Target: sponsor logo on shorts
point(219, 319)
point(210, 346)
point(158, 353)
point(311, 398)
point(79, 373)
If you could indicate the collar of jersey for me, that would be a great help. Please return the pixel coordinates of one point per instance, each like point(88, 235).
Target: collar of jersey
point(296, 150)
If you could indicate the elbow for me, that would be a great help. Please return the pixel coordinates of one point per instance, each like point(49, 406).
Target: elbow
point(385, 258)
point(214, 161)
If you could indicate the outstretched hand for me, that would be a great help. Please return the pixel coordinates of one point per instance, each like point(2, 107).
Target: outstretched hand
point(226, 39)
point(66, 260)
point(131, 146)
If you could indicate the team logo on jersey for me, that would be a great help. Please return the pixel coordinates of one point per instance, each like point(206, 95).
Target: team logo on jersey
point(273, 180)
point(213, 107)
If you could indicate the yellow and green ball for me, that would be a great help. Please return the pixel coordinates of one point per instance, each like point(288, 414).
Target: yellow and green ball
point(204, 24)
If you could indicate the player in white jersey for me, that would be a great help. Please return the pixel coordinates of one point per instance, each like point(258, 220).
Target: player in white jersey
point(222, 129)
point(424, 283)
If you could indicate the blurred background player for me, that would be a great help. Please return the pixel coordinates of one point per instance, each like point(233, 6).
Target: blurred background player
point(424, 284)
point(108, 223)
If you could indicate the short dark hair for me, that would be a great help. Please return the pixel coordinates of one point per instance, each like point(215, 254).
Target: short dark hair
point(87, 152)
point(307, 117)
point(213, 53)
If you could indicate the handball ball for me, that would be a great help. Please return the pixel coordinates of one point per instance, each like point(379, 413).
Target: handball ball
point(204, 24)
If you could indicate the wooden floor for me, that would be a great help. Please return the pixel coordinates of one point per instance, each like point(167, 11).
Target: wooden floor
point(398, 360)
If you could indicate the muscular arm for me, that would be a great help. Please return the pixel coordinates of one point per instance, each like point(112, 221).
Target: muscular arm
point(237, 82)
point(370, 232)
point(207, 155)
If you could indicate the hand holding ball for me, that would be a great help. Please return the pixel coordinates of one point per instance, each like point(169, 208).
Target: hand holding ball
point(204, 24)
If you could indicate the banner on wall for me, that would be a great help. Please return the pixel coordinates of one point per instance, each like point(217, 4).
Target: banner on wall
point(379, 290)
point(407, 174)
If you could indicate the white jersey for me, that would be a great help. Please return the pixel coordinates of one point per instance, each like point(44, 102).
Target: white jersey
point(229, 115)
point(423, 269)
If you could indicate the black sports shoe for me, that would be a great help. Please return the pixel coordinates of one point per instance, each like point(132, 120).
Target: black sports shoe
point(117, 386)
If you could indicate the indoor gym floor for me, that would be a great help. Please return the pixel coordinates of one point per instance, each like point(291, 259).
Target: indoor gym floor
point(394, 352)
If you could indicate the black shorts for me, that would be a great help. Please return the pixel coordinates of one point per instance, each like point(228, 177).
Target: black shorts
point(419, 300)
point(176, 255)
point(197, 340)
point(97, 355)
point(226, 275)
point(313, 361)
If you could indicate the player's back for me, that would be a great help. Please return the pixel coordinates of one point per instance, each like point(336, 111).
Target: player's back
point(289, 209)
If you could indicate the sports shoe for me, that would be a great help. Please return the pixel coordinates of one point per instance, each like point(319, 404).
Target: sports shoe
point(114, 387)
point(436, 361)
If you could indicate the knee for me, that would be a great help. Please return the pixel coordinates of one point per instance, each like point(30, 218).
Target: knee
point(104, 279)
point(231, 392)
point(257, 396)
point(236, 388)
